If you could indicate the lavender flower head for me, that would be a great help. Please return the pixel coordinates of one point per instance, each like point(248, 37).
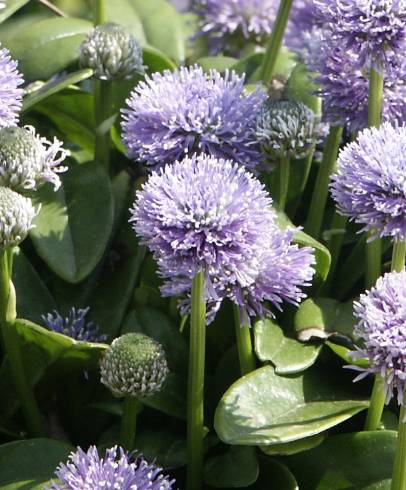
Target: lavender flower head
point(370, 184)
point(203, 213)
point(10, 92)
point(303, 18)
point(117, 470)
point(224, 20)
point(381, 314)
point(177, 113)
point(375, 30)
point(28, 160)
point(74, 325)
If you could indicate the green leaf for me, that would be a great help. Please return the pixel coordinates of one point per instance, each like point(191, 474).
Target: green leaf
point(11, 7)
point(357, 461)
point(163, 27)
point(48, 46)
point(157, 325)
point(72, 112)
point(264, 408)
point(301, 86)
point(295, 446)
point(33, 297)
point(323, 257)
point(155, 60)
point(286, 354)
point(219, 63)
point(236, 468)
point(29, 464)
point(171, 399)
point(274, 475)
point(122, 12)
point(54, 86)
point(74, 224)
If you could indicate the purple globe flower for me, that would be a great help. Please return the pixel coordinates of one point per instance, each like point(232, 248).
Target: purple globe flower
point(203, 213)
point(10, 92)
point(381, 314)
point(187, 111)
point(370, 183)
point(373, 29)
point(74, 325)
point(344, 87)
point(303, 18)
point(117, 470)
point(223, 21)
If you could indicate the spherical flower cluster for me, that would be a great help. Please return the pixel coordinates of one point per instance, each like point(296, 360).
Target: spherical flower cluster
point(375, 30)
point(303, 18)
point(188, 111)
point(111, 52)
point(16, 217)
point(224, 20)
point(74, 325)
point(10, 92)
point(345, 87)
point(117, 470)
point(204, 213)
point(135, 365)
point(27, 160)
point(287, 128)
point(370, 183)
point(381, 314)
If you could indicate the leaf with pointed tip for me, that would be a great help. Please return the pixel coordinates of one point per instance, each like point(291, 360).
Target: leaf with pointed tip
point(11, 7)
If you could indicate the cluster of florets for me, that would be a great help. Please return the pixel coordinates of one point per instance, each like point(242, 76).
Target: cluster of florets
point(117, 469)
point(381, 314)
point(208, 214)
point(134, 365)
point(74, 325)
point(11, 93)
point(111, 52)
point(231, 22)
point(287, 128)
point(173, 114)
point(369, 185)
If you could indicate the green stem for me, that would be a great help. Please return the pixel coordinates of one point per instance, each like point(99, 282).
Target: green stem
point(375, 98)
point(195, 387)
point(284, 172)
point(12, 347)
point(103, 115)
point(377, 403)
point(338, 223)
point(128, 423)
point(398, 255)
point(275, 41)
point(99, 12)
point(373, 269)
point(399, 468)
point(244, 343)
point(320, 192)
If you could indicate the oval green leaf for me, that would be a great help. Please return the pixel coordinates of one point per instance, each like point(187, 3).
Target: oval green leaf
point(294, 447)
point(74, 224)
point(287, 354)
point(264, 408)
point(11, 7)
point(47, 46)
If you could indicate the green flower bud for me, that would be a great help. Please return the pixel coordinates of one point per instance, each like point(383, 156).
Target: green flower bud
point(16, 216)
point(111, 52)
point(287, 128)
point(134, 365)
point(27, 161)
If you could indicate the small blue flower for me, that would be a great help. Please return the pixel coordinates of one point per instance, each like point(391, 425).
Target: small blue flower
point(10, 92)
point(117, 470)
point(381, 314)
point(74, 325)
point(370, 184)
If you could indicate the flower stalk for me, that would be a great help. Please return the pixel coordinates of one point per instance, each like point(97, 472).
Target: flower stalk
point(399, 468)
point(12, 347)
point(284, 173)
point(244, 344)
point(275, 41)
point(320, 193)
point(128, 422)
point(195, 389)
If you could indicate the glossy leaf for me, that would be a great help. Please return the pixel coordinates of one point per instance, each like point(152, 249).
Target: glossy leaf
point(11, 7)
point(294, 447)
point(155, 60)
point(287, 354)
point(323, 257)
point(74, 223)
point(29, 464)
point(236, 468)
point(219, 63)
point(122, 12)
point(301, 87)
point(54, 86)
point(264, 408)
point(274, 475)
point(357, 461)
point(171, 399)
point(48, 46)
